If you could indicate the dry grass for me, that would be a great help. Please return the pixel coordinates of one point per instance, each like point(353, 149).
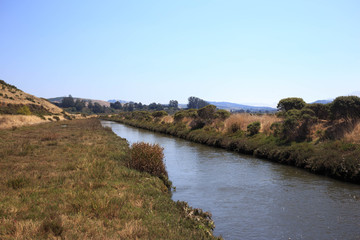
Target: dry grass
point(167, 119)
point(354, 135)
point(16, 96)
point(242, 120)
point(69, 180)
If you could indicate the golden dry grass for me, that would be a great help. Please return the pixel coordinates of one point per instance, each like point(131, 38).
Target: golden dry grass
point(354, 135)
point(167, 119)
point(16, 96)
point(244, 119)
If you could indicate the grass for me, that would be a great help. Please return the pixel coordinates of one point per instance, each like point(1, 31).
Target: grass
point(354, 134)
point(241, 121)
point(69, 180)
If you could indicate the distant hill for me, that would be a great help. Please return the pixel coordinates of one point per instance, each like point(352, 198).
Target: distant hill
point(115, 100)
point(235, 106)
point(101, 102)
point(323, 101)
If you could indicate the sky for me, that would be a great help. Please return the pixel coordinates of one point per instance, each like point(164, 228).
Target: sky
point(250, 52)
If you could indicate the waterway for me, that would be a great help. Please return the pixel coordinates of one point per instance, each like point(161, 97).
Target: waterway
point(251, 198)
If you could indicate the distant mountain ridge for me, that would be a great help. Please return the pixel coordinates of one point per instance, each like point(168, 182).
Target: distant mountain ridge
point(117, 100)
point(324, 101)
point(236, 107)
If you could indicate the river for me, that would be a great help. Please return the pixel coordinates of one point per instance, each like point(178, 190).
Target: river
point(251, 198)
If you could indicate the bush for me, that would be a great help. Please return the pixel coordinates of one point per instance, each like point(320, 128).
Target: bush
point(24, 110)
point(346, 107)
point(159, 114)
point(146, 157)
point(179, 116)
point(222, 114)
point(207, 112)
point(287, 104)
point(322, 111)
point(253, 128)
point(234, 127)
point(197, 124)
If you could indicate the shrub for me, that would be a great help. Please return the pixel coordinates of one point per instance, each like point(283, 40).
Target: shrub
point(180, 115)
point(24, 110)
point(159, 114)
point(287, 104)
point(276, 129)
point(322, 111)
point(207, 112)
point(146, 157)
point(234, 127)
point(197, 124)
point(56, 118)
point(253, 128)
point(346, 107)
point(222, 114)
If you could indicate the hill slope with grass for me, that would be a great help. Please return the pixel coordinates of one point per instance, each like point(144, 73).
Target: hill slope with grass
point(18, 108)
point(71, 180)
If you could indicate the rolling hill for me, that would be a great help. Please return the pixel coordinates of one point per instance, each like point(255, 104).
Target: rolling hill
point(18, 108)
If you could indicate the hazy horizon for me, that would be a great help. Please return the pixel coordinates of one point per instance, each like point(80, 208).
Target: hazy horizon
point(243, 52)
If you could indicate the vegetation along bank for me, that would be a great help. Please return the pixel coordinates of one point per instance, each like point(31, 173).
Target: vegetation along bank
point(77, 180)
point(322, 138)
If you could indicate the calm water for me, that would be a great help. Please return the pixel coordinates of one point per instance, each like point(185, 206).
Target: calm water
point(255, 199)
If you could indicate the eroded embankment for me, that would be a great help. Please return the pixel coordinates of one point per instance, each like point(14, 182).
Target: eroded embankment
point(70, 180)
point(336, 159)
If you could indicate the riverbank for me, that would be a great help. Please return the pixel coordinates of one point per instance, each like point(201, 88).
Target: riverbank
point(337, 159)
point(69, 180)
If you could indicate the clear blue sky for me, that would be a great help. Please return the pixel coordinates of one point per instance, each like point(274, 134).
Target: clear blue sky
point(153, 51)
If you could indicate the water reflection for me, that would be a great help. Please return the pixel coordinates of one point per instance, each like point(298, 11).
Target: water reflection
point(252, 198)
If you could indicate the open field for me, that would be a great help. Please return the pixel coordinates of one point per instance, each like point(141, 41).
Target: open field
point(69, 180)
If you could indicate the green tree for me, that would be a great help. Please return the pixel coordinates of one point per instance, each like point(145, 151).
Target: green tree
point(287, 104)
point(68, 102)
point(116, 105)
point(174, 104)
point(98, 108)
point(196, 103)
point(79, 105)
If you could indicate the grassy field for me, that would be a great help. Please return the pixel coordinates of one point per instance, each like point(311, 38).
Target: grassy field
point(69, 180)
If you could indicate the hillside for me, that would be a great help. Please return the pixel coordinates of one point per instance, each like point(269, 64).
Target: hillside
point(18, 108)
point(10, 94)
point(101, 102)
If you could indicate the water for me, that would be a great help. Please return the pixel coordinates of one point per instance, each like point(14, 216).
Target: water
point(252, 198)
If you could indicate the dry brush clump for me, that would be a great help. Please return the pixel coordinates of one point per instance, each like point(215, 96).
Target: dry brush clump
point(242, 120)
point(354, 134)
point(146, 157)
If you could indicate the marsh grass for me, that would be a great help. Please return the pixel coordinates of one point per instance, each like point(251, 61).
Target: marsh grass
point(240, 122)
point(73, 183)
